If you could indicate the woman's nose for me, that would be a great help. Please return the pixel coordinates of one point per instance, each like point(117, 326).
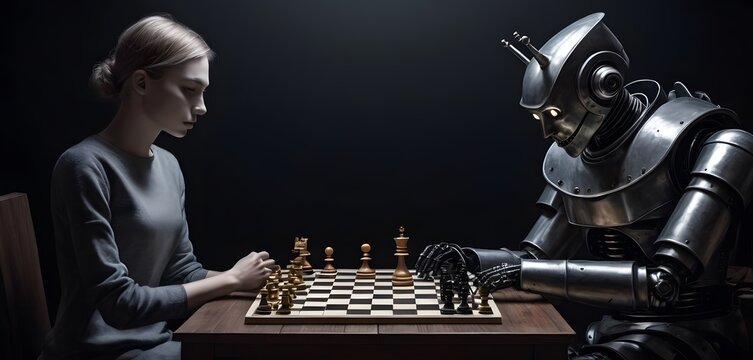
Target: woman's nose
point(200, 109)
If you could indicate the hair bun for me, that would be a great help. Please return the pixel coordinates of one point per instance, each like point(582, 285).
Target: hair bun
point(103, 79)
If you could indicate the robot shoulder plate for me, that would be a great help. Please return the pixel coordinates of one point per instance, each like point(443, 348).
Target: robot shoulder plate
point(635, 179)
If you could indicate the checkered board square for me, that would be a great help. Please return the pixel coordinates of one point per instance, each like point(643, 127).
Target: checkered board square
point(346, 300)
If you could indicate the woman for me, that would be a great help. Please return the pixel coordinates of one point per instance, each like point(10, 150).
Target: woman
point(125, 260)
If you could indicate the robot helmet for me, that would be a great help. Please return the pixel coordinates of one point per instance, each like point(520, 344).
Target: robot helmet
point(571, 82)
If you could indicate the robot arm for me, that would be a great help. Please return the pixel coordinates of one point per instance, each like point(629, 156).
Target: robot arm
point(551, 237)
point(721, 183)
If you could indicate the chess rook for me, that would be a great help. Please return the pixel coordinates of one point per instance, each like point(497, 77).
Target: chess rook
point(401, 276)
point(365, 271)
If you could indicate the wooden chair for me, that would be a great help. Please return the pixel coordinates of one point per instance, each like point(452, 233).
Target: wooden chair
point(23, 309)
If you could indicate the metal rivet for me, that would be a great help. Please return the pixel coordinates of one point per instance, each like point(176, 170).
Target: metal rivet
point(613, 185)
point(576, 189)
point(643, 170)
point(588, 190)
point(559, 182)
point(687, 241)
point(705, 169)
point(630, 178)
point(682, 122)
point(657, 130)
point(551, 169)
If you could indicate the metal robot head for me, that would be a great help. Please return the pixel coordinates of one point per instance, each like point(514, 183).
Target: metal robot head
point(570, 83)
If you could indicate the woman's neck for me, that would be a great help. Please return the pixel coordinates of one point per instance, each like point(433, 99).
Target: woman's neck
point(131, 131)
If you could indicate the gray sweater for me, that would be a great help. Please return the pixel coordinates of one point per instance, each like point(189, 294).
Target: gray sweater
point(122, 249)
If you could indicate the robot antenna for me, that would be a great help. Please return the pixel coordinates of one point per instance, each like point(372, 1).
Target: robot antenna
point(515, 52)
point(540, 58)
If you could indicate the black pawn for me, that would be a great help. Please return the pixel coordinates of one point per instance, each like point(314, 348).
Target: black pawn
point(264, 307)
point(463, 308)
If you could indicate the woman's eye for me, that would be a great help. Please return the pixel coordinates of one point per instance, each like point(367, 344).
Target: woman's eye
point(189, 89)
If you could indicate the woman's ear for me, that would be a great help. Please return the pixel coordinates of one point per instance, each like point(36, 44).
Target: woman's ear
point(138, 81)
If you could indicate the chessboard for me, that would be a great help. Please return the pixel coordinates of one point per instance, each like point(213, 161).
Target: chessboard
point(343, 299)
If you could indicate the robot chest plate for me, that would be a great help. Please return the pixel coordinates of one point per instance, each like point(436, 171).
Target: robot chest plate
point(633, 182)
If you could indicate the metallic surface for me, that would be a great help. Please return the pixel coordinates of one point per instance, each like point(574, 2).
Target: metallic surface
point(720, 179)
point(728, 157)
point(723, 330)
point(616, 284)
point(572, 56)
point(482, 259)
point(636, 179)
point(653, 183)
point(553, 236)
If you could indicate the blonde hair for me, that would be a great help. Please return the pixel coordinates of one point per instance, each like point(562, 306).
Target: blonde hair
point(153, 44)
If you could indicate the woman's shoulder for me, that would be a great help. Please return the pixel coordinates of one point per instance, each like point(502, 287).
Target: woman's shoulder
point(86, 152)
point(84, 157)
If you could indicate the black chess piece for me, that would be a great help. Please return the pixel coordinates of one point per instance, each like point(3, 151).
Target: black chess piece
point(463, 292)
point(447, 294)
point(444, 282)
point(264, 307)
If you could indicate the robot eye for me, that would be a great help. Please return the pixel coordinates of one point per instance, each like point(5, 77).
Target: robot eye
point(554, 112)
point(536, 116)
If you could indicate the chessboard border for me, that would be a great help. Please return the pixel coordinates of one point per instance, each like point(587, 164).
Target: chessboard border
point(272, 319)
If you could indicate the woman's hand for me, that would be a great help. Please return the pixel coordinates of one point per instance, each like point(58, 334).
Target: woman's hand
point(250, 272)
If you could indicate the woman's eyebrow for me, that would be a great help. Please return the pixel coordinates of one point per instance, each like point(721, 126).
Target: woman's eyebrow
point(198, 81)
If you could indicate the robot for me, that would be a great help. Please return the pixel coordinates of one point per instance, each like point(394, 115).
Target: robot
point(653, 183)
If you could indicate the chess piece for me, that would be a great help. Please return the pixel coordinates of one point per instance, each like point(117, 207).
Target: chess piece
point(329, 269)
point(465, 290)
point(285, 303)
point(297, 269)
point(365, 271)
point(294, 277)
point(273, 297)
point(447, 296)
point(484, 308)
point(401, 276)
point(307, 268)
point(292, 282)
point(264, 308)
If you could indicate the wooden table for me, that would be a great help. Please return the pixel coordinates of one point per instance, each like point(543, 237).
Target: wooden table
point(531, 329)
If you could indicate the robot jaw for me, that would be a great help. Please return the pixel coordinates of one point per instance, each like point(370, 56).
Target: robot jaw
point(578, 141)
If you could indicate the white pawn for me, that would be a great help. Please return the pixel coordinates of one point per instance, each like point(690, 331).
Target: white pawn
point(329, 269)
point(365, 272)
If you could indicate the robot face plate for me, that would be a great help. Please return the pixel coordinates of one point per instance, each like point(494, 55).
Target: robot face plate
point(572, 94)
point(555, 124)
point(562, 124)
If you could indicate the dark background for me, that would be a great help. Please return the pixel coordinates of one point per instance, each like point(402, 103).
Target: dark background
point(342, 120)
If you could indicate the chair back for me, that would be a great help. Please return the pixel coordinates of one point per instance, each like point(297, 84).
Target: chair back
point(24, 320)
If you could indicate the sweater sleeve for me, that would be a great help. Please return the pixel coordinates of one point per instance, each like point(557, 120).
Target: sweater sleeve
point(183, 267)
point(81, 195)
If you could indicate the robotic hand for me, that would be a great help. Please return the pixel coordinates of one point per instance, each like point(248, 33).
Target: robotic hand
point(499, 277)
point(436, 256)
